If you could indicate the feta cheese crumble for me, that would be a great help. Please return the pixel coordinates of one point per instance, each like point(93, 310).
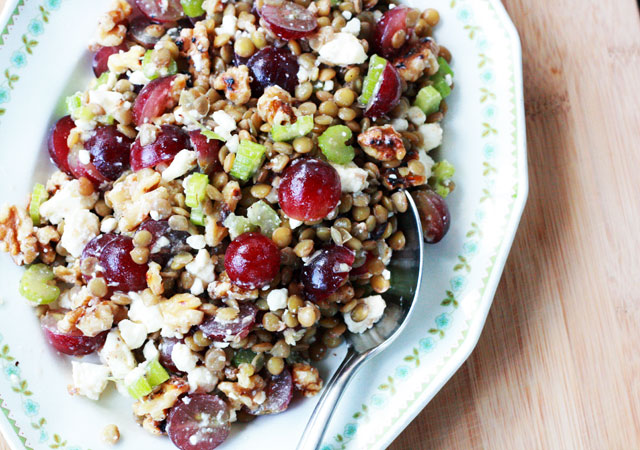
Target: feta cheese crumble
point(184, 161)
point(431, 135)
point(352, 178)
point(184, 359)
point(89, 380)
point(343, 50)
point(277, 299)
point(134, 334)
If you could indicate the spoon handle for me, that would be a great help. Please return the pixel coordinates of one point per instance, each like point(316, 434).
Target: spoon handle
point(313, 433)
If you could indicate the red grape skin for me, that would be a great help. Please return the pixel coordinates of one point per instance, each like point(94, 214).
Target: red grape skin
point(238, 328)
point(89, 171)
point(198, 422)
point(169, 142)
point(101, 58)
point(207, 150)
point(271, 66)
point(310, 189)
point(434, 215)
point(161, 10)
point(57, 143)
point(252, 260)
point(388, 94)
point(391, 22)
point(279, 393)
point(177, 240)
point(137, 32)
point(289, 20)
point(153, 100)
point(324, 274)
point(110, 150)
point(70, 343)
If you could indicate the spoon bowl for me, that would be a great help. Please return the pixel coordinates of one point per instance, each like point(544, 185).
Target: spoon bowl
point(406, 275)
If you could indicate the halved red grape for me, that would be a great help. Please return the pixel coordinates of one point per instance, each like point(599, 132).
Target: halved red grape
point(289, 20)
point(310, 189)
point(138, 32)
point(153, 100)
point(207, 150)
point(176, 240)
point(434, 215)
point(80, 169)
point(364, 268)
point(70, 343)
point(271, 66)
point(279, 393)
point(57, 143)
point(392, 22)
point(252, 260)
point(101, 58)
point(238, 328)
point(170, 140)
point(387, 93)
point(165, 348)
point(326, 272)
point(117, 267)
point(161, 10)
point(110, 150)
point(198, 422)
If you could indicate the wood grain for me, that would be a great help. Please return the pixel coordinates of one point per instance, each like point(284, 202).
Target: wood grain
point(557, 366)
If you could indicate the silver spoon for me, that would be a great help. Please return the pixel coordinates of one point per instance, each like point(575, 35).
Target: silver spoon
point(406, 274)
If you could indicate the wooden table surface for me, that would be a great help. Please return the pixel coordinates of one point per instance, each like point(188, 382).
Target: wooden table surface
point(558, 366)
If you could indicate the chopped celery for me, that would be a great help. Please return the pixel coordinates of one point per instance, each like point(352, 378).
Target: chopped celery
point(196, 189)
point(263, 215)
point(152, 71)
point(444, 69)
point(441, 85)
point(74, 102)
point(428, 100)
point(35, 285)
point(102, 79)
point(192, 8)
point(237, 225)
point(248, 159)
point(197, 215)
point(243, 356)
point(440, 179)
point(140, 388)
point(106, 119)
point(83, 113)
point(38, 197)
point(156, 374)
point(210, 134)
point(333, 144)
point(300, 128)
point(371, 81)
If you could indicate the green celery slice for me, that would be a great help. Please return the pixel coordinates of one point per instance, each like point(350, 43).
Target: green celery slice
point(237, 225)
point(156, 374)
point(192, 8)
point(35, 285)
point(445, 68)
point(243, 356)
point(376, 67)
point(73, 102)
point(196, 189)
point(140, 388)
point(441, 175)
point(210, 134)
point(248, 159)
point(197, 215)
point(151, 70)
point(264, 216)
point(441, 85)
point(38, 197)
point(102, 79)
point(301, 127)
point(428, 100)
point(333, 144)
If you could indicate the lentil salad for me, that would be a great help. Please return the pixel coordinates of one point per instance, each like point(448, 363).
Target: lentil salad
point(225, 205)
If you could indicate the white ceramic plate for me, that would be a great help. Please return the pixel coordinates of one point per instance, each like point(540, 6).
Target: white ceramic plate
point(43, 58)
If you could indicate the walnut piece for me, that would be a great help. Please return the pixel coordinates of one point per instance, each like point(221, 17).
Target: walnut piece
point(306, 379)
point(194, 44)
point(181, 312)
point(213, 6)
point(157, 405)
point(235, 84)
point(17, 235)
point(251, 397)
point(274, 106)
point(223, 288)
point(96, 319)
point(382, 143)
point(110, 31)
point(154, 279)
point(137, 197)
point(69, 274)
point(422, 57)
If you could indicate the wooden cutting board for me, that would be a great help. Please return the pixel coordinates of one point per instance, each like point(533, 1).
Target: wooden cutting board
point(558, 365)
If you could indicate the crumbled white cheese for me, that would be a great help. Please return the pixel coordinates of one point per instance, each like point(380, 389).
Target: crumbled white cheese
point(428, 163)
point(108, 225)
point(109, 100)
point(328, 85)
point(84, 156)
point(117, 355)
point(183, 358)
point(196, 242)
point(202, 267)
point(66, 201)
point(292, 336)
point(277, 299)
point(233, 143)
point(184, 162)
point(155, 215)
point(353, 26)
point(352, 178)
point(161, 243)
point(294, 223)
point(347, 14)
point(376, 306)
point(197, 287)
point(303, 74)
point(134, 334)
point(449, 79)
point(400, 124)
point(149, 316)
point(431, 135)
point(416, 115)
point(386, 274)
point(343, 50)
point(226, 124)
point(79, 228)
point(138, 77)
point(229, 25)
point(89, 380)
point(150, 351)
point(201, 379)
